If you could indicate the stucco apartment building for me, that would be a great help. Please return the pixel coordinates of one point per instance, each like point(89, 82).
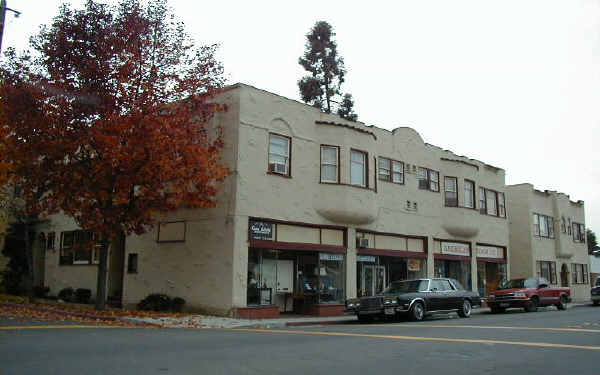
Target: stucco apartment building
point(547, 238)
point(316, 210)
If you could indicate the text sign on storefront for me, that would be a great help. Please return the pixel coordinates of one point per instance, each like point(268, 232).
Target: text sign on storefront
point(490, 252)
point(328, 256)
point(260, 230)
point(365, 258)
point(455, 248)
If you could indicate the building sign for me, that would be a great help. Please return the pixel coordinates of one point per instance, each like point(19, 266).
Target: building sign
point(490, 252)
point(329, 256)
point(260, 230)
point(456, 248)
point(365, 258)
point(414, 264)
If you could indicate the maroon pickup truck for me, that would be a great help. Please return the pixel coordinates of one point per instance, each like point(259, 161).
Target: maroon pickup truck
point(528, 294)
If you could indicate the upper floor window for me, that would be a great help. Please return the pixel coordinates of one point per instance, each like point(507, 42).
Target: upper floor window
point(469, 200)
point(501, 205)
point(569, 227)
point(330, 159)
point(547, 270)
point(391, 170)
point(578, 232)
point(279, 154)
point(429, 179)
point(358, 168)
point(543, 226)
point(482, 207)
point(450, 191)
point(491, 202)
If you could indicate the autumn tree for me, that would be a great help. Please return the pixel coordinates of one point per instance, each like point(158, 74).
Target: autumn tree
point(322, 86)
point(106, 120)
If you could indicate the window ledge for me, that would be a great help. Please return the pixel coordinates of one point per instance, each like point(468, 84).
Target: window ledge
point(279, 174)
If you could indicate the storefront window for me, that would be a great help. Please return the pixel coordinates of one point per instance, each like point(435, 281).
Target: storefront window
point(455, 269)
point(331, 278)
point(262, 276)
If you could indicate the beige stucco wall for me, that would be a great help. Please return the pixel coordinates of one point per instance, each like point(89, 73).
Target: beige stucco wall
point(303, 199)
point(526, 248)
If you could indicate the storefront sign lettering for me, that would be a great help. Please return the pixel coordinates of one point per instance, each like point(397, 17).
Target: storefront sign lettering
point(490, 252)
point(260, 230)
point(329, 256)
point(456, 248)
point(365, 258)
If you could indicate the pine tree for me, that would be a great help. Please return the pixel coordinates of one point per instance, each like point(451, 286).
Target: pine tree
point(322, 86)
point(346, 109)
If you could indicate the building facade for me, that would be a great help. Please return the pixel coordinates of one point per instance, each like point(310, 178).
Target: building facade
point(547, 238)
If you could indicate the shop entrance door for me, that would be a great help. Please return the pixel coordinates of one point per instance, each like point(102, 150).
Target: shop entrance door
point(373, 279)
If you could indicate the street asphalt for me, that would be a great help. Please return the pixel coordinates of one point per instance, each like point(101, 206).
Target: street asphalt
point(546, 342)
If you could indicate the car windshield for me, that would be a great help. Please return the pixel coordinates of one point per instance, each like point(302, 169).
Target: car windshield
point(407, 286)
point(520, 283)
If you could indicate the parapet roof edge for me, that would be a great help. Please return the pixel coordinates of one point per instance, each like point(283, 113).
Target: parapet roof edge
point(547, 192)
point(372, 127)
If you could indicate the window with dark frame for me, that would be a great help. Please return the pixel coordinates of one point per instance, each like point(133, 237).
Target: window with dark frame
point(78, 247)
point(428, 179)
point(358, 168)
point(579, 273)
point(330, 163)
point(132, 263)
point(547, 270)
point(469, 200)
point(390, 170)
point(501, 205)
point(491, 202)
point(451, 191)
point(482, 207)
point(543, 226)
point(279, 154)
point(578, 232)
point(50, 241)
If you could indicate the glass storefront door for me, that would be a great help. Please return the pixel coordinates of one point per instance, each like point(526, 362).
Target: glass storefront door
point(373, 280)
point(489, 276)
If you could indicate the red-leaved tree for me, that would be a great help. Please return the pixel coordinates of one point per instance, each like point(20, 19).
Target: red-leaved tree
point(106, 120)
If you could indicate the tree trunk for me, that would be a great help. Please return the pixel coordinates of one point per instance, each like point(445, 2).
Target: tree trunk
point(101, 287)
point(29, 278)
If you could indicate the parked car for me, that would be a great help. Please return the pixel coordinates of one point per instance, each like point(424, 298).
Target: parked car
point(596, 293)
point(528, 294)
point(417, 298)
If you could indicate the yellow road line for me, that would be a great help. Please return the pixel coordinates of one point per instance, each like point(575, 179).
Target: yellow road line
point(7, 328)
point(497, 327)
point(416, 338)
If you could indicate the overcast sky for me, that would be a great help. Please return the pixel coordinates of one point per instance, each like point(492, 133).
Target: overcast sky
point(515, 84)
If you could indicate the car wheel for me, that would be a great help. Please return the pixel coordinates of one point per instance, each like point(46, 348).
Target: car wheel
point(497, 310)
point(365, 318)
point(562, 304)
point(417, 312)
point(532, 305)
point(465, 310)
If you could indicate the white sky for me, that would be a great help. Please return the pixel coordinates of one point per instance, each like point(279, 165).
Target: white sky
point(513, 83)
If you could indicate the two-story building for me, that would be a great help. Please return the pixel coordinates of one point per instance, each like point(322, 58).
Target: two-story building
point(317, 209)
point(547, 238)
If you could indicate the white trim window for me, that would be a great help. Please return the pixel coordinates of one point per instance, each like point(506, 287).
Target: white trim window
point(279, 154)
point(491, 202)
point(451, 191)
point(358, 168)
point(330, 159)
